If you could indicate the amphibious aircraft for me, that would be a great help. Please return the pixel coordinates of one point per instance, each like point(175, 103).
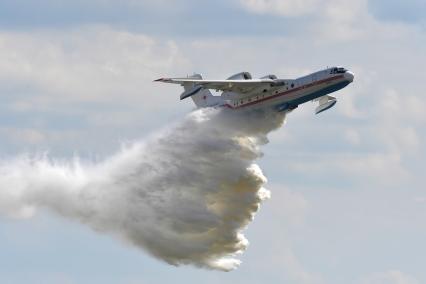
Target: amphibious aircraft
point(241, 91)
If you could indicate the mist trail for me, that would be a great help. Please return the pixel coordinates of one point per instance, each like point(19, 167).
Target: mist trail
point(183, 195)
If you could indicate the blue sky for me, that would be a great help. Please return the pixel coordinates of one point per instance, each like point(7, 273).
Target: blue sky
point(396, 10)
point(348, 200)
point(164, 18)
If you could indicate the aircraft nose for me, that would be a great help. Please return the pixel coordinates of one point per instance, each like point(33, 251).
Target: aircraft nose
point(349, 76)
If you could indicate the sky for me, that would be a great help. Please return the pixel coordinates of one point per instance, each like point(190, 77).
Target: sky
point(348, 198)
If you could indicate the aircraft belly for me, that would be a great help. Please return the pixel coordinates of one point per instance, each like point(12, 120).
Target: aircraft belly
point(288, 99)
point(318, 92)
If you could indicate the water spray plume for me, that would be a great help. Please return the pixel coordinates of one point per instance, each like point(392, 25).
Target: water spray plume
point(184, 195)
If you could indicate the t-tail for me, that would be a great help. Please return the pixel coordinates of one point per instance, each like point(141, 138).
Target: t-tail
point(202, 97)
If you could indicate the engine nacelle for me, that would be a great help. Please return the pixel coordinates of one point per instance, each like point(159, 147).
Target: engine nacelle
point(240, 76)
point(270, 76)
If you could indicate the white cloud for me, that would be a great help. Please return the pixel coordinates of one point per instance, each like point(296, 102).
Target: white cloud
point(397, 107)
point(291, 8)
point(95, 64)
point(348, 20)
point(330, 20)
point(340, 19)
point(83, 79)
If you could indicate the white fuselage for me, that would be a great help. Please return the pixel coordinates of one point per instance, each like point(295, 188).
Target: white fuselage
point(290, 93)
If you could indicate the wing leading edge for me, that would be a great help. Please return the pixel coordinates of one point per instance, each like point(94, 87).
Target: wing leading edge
point(237, 86)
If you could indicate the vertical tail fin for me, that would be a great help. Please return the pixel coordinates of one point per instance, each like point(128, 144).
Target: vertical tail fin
point(202, 98)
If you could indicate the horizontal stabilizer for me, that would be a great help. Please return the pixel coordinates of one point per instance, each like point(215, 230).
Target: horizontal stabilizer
point(190, 92)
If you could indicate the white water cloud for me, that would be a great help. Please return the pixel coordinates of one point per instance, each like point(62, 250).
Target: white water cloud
point(184, 195)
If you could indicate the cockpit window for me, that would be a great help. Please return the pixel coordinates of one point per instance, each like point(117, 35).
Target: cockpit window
point(338, 70)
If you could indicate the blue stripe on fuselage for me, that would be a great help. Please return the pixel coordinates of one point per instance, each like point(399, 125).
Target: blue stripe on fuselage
point(312, 96)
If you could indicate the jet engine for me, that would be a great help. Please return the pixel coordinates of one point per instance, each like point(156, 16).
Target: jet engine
point(240, 76)
point(270, 76)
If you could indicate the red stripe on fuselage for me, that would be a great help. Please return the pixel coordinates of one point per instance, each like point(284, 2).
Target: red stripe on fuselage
point(287, 92)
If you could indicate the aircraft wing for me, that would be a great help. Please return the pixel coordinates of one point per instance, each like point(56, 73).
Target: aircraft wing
point(237, 86)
